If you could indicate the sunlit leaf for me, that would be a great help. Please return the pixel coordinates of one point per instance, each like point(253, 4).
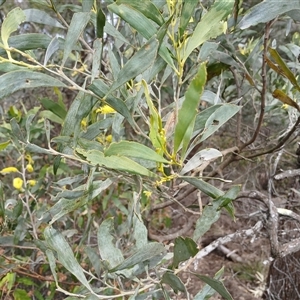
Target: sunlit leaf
point(210, 26)
point(284, 98)
point(120, 163)
point(133, 149)
point(10, 24)
point(284, 69)
point(188, 111)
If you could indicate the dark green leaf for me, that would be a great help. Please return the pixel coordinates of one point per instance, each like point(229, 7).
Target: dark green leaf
point(174, 282)
point(54, 107)
point(101, 89)
point(216, 285)
point(143, 255)
point(134, 18)
point(100, 23)
point(184, 249)
point(187, 12)
point(146, 7)
point(203, 186)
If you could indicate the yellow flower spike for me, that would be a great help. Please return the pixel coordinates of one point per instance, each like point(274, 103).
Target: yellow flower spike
point(285, 106)
point(9, 170)
point(18, 183)
point(31, 182)
point(105, 109)
point(29, 168)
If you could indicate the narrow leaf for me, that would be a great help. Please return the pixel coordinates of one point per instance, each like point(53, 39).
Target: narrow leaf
point(137, 64)
point(17, 80)
point(65, 255)
point(97, 56)
point(174, 282)
point(100, 23)
point(133, 149)
point(203, 186)
point(283, 67)
point(40, 16)
point(218, 118)
point(134, 18)
point(52, 48)
point(101, 89)
point(210, 26)
point(120, 163)
point(266, 11)
point(284, 98)
point(216, 285)
point(78, 23)
point(143, 255)
point(146, 7)
point(187, 12)
point(188, 110)
point(10, 24)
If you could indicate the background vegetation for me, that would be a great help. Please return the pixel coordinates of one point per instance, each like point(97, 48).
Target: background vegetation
point(137, 137)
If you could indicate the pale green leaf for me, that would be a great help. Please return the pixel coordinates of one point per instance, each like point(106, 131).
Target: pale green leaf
point(218, 118)
point(266, 11)
point(133, 149)
point(107, 248)
point(11, 23)
point(121, 163)
point(65, 255)
point(17, 80)
point(51, 49)
point(39, 16)
point(78, 23)
point(210, 26)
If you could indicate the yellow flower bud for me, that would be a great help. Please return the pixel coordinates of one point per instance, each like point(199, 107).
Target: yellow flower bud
point(108, 138)
point(31, 182)
point(18, 183)
point(9, 170)
point(29, 168)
